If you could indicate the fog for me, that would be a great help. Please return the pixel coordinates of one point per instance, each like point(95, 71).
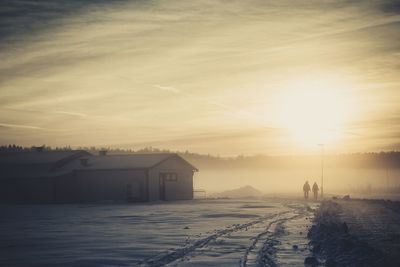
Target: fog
point(290, 181)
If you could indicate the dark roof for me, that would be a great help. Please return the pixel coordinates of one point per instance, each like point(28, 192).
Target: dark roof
point(27, 173)
point(126, 161)
point(64, 162)
point(35, 157)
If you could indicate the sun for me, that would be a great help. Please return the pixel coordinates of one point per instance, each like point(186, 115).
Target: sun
point(313, 110)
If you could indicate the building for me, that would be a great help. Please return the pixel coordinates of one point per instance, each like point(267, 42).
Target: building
point(78, 177)
point(29, 176)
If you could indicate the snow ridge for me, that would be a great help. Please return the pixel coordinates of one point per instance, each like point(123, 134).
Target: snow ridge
point(164, 259)
point(261, 254)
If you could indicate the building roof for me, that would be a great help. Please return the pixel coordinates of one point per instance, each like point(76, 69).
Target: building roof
point(36, 157)
point(56, 163)
point(125, 161)
point(21, 173)
point(24, 164)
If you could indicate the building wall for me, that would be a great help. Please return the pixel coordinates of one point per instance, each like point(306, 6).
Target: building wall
point(27, 190)
point(111, 185)
point(102, 185)
point(153, 185)
point(66, 189)
point(179, 189)
point(27, 183)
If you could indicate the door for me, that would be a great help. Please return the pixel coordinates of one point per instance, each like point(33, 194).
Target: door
point(134, 192)
point(129, 196)
point(162, 178)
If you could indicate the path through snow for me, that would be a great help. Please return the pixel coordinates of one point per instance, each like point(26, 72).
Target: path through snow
point(243, 233)
point(273, 240)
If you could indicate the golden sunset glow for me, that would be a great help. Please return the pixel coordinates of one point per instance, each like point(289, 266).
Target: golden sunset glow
point(262, 132)
point(314, 109)
point(227, 78)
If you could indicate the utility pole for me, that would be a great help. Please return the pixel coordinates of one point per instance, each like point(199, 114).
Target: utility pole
point(387, 180)
point(322, 169)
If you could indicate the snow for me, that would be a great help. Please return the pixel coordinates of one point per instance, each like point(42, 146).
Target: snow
point(220, 232)
point(357, 233)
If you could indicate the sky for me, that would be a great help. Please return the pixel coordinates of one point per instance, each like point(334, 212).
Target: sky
point(218, 77)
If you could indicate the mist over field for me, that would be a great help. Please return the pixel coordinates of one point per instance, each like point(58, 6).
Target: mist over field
point(343, 174)
point(181, 133)
point(280, 181)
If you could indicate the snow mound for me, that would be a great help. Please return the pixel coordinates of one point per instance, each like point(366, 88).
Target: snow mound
point(242, 192)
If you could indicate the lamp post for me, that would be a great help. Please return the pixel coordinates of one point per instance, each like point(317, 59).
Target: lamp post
point(322, 169)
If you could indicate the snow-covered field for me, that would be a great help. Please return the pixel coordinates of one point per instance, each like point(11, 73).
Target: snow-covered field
point(266, 232)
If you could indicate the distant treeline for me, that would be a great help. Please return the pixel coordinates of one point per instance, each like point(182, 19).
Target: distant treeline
point(370, 190)
point(381, 160)
point(387, 160)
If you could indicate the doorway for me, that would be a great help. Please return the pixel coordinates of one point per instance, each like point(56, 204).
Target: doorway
point(129, 197)
point(162, 178)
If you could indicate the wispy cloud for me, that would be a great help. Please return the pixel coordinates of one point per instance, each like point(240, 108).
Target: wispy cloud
point(187, 71)
point(73, 114)
point(167, 88)
point(20, 126)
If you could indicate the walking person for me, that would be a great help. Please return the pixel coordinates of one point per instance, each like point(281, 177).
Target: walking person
point(306, 190)
point(315, 190)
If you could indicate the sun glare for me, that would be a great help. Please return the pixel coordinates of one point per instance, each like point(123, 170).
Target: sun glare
point(313, 110)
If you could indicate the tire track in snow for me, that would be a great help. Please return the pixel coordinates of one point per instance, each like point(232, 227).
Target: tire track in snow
point(182, 252)
point(267, 255)
point(258, 238)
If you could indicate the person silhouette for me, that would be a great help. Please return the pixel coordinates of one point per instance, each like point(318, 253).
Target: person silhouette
point(306, 189)
point(315, 190)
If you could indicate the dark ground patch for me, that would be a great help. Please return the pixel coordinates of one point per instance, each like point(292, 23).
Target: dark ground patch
point(335, 244)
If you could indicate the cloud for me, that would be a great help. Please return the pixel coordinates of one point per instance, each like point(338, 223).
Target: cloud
point(19, 126)
point(73, 114)
point(391, 6)
point(19, 18)
point(84, 67)
point(167, 88)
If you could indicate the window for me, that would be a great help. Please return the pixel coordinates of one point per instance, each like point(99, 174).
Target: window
point(171, 177)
